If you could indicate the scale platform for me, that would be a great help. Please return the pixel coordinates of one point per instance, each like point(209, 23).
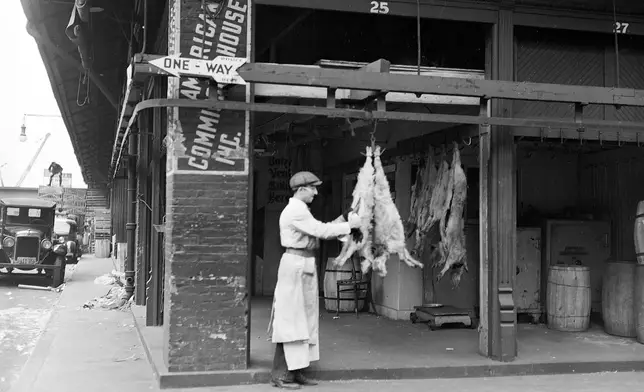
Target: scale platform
point(435, 316)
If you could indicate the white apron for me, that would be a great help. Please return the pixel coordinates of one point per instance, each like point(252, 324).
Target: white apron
point(295, 314)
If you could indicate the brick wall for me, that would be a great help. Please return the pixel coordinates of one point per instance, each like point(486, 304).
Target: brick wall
point(206, 304)
point(206, 269)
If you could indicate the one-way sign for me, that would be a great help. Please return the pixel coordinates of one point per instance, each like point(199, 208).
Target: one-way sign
point(223, 69)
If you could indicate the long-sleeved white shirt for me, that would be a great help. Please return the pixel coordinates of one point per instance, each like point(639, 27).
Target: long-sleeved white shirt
point(300, 230)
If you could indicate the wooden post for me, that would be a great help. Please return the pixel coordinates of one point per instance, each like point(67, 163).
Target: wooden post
point(502, 203)
point(484, 267)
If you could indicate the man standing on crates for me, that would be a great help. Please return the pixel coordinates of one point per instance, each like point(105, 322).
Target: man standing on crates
point(295, 315)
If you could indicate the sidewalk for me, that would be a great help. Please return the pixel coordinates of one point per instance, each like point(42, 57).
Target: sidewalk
point(100, 351)
point(87, 350)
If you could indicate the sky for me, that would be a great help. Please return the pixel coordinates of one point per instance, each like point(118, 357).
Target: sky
point(26, 90)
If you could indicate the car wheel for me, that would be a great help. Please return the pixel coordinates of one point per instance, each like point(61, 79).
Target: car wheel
point(59, 272)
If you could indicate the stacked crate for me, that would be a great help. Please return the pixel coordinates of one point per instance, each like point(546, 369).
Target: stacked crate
point(98, 214)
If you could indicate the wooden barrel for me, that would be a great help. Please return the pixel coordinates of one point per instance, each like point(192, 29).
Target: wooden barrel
point(639, 302)
point(347, 298)
point(639, 232)
point(568, 298)
point(617, 298)
point(102, 249)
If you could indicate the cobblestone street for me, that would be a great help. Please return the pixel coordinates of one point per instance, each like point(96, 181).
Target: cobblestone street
point(24, 313)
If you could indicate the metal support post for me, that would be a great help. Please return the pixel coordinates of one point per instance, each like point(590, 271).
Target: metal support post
point(131, 212)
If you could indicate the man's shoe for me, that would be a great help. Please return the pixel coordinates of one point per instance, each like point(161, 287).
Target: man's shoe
point(283, 384)
point(302, 380)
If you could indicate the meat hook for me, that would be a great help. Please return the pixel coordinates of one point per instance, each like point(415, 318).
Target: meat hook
point(469, 143)
point(373, 134)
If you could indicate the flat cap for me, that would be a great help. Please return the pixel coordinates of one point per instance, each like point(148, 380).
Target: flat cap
point(304, 178)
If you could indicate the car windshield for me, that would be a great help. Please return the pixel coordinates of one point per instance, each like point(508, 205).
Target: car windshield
point(61, 227)
point(27, 216)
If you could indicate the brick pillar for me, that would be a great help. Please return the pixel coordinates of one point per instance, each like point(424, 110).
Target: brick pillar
point(206, 301)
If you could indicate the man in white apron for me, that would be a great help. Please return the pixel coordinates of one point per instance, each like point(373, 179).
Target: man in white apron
point(295, 315)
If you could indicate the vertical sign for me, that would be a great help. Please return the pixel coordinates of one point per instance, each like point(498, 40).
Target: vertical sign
point(279, 191)
point(205, 141)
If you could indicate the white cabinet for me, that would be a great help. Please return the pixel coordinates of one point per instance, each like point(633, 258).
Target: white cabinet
point(580, 242)
point(527, 283)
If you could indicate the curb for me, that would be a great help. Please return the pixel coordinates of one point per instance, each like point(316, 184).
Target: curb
point(168, 380)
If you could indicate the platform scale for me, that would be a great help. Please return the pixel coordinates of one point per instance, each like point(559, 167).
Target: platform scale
point(436, 315)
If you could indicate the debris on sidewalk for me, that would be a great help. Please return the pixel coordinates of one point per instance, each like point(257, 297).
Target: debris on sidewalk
point(111, 279)
point(115, 299)
point(42, 288)
point(133, 357)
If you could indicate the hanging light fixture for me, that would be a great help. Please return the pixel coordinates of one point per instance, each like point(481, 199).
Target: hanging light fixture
point(23, 133)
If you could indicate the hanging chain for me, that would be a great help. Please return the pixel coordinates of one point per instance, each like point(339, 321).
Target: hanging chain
point(373, 134)
point(83, 80)
point(418, 43)
point(615, 33)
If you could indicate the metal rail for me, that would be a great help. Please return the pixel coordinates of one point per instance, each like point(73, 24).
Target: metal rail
point(628, 128)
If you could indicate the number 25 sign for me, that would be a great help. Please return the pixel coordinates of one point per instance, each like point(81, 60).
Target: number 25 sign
point(379, 7)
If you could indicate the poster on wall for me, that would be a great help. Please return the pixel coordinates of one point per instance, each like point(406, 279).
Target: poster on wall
point(279, 192)
point(208, 141)
point(69, 201)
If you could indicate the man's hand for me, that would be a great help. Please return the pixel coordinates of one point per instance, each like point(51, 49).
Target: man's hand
point(340, 219)
point(354, 220)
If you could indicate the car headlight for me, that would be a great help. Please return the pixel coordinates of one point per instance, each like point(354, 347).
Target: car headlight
point(8, 242)
point(46, 244)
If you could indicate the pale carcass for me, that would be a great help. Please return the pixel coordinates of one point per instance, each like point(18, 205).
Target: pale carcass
point(452, 246)
point(389, 234)
point(360, 239)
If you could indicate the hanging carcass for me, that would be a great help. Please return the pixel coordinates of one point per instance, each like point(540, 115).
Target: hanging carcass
point(389, 234)
point(453, 255)
point(363, 204)
point(426, 180)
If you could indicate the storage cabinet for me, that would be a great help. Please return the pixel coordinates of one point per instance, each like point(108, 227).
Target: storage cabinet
point(571, 242)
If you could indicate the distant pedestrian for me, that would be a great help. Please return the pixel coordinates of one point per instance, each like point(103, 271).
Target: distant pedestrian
point(56, 169)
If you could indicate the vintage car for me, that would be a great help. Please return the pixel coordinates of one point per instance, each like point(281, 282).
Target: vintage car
point(66, 231)
point(27, 239)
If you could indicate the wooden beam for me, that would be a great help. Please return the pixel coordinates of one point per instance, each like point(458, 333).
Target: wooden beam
point(480, 12)
point(142, 68)
point(436, 9)
point(378, 66)
point(423, 84)
point(576, 20)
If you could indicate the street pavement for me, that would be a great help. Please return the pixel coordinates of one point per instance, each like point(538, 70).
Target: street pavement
point(24, 313)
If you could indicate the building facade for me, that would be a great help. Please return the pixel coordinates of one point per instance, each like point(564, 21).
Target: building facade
point(205, 180)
